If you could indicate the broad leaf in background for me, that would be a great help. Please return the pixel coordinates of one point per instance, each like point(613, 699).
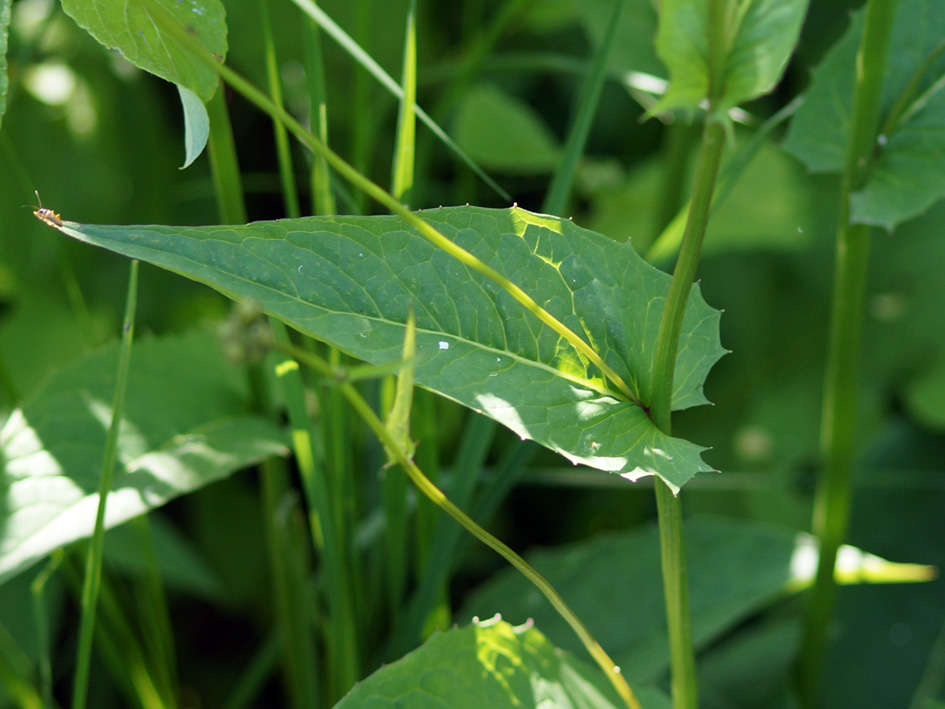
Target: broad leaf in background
point(491, 664)
point(186, 425)
point(504, 133)
point(736, 568)
point(632, 48)
point(906, 177)
point(4, 35)
point(196, 124)
point(350, 281)
point(130, 28)
point(760, 38)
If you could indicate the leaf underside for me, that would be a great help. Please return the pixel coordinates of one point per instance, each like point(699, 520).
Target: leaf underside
point(350, 280)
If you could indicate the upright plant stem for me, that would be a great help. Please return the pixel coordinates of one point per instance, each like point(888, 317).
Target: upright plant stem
point(672, 547)
point(838, 423)
point(93, 564)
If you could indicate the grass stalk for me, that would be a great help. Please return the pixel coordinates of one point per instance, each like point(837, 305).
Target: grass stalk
point(290, 195)
point(832, 499)
point(342, 641)
point(93, 563)
point(556, 200)
point(323, 199)
point(402, 177)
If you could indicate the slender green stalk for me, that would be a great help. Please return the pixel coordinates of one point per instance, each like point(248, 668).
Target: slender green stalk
point(93, 563)
point(342, 641)
point(838, 424)
point(155, 617)
point(405, 145)
point(557, 198)
point(672, 546)
point(223, 164)
point(254, 95)
point(433, 493)
point(37, 589)
point(290, 194)
point(323, 200)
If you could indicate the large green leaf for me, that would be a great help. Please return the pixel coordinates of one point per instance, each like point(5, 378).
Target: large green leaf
point(185, 426)
point(351, 280)
point(761, 35)
point(491, 664)
point(131, 28)
point(736, 567)
point(906, 177)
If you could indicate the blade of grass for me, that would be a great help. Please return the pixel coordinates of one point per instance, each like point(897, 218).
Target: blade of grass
point(290, 195)
point(405, 143)
point(255, 96)
point(832, 497)
point(323, 200)
point(93, 563)
point(152, 611)
point(224, 168)
point(373, 68)
point(433, 493)
point(15, 672)
point(557, 198)
point(341, 642)
point(37, 589)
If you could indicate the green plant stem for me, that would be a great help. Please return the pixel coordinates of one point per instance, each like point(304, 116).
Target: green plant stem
point(434, 494)
point(838, 423)
point(93, 564)
point(257, 97)
point(672, 547)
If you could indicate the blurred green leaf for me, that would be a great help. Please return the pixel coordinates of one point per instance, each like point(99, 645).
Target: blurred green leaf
point(130, 28)
point(185, 427)
point(761, 35)
point(906, 176)
point(736, 567)
point(633, 43)
point(196, 124)
point(490, 664)
point(350, 280)
point(925, 395)
point(504, 133)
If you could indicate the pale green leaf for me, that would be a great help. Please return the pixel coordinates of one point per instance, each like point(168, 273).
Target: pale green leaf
point(131, 28)
point(196, 124)
point(350, 280)
point(906, 177)
point(186, 425)
point(490, 664)
point(761, 35)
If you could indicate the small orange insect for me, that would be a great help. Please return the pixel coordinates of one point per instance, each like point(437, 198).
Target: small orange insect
point(46, 215)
